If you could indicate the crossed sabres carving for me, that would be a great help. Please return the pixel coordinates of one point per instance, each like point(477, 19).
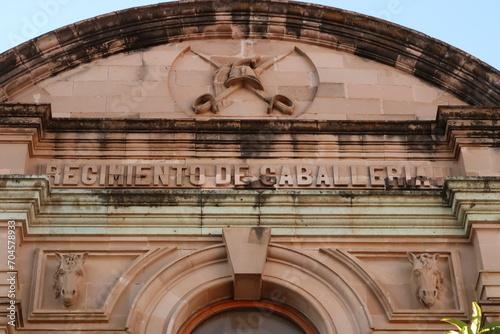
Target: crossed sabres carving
point(242, 73)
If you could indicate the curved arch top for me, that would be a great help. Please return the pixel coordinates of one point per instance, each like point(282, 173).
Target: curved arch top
point(431, 60)
point(173, 294)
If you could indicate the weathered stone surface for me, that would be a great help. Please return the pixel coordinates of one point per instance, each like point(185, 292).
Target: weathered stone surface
point(317, 123)
point(360, 88)
point(110, 34)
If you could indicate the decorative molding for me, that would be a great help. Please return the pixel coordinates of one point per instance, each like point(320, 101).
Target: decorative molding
point(465, 126)
point(263, 308)
point(465, 201)
point(429, 59)
point(288, 212)
point(439, 140)
point(309, 286)
point(488, 285)
point(213, 274)
point(356, 267)
point(474, 200)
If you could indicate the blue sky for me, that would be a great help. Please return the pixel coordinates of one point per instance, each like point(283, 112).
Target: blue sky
point(472, 26)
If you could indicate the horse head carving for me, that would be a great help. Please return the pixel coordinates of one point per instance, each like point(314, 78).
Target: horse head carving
point(427, 279)
point(68, 277)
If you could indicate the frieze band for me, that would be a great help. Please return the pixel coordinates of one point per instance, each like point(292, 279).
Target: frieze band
point(286, 176)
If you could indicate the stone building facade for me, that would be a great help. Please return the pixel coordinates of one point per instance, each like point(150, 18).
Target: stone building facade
point(246, 167)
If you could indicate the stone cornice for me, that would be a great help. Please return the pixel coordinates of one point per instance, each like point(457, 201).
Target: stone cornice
point(39, 116)
point(469, 127)
point(45, 211)
point(474, 200)
point(473, 126)
point(422, 56)
point(73, 138)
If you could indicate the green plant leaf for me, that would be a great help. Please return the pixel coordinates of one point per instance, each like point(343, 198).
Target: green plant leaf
point(492, 328)
point(475, 323)
point(492, 325)
point(457, 323)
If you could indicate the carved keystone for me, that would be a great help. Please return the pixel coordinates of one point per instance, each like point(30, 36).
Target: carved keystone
point(247, 254)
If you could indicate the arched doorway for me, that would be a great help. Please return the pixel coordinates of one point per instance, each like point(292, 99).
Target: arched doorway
point(189, 287)
point(252, 317)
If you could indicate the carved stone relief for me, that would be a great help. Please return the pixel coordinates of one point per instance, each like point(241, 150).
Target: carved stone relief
point(243, 73)
point(427, 281)
point(67, 287)
point(248, 80)
point(68, 277)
